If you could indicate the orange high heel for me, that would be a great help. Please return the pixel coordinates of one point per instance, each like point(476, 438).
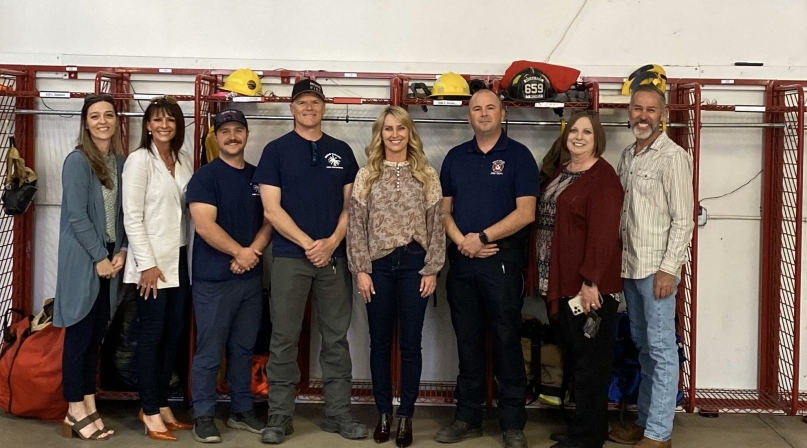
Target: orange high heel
point(155, 435)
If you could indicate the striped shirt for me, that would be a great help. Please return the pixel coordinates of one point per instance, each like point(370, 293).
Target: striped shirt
point(657, 213)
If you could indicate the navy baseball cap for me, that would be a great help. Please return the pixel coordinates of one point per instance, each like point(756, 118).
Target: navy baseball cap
point(227, 116)
point(307, 86)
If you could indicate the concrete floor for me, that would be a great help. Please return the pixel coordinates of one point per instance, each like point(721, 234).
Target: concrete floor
point(690, 430)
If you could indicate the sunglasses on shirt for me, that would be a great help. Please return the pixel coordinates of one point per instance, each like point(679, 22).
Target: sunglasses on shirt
point(314, 154)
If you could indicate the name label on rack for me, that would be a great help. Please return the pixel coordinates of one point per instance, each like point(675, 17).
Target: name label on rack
point(350, 75)
point(247, 99)
point(166, 70)
point(447, 103)
point(54, 94)
point(749, 108)
point(143, 96)
point(726, 81)
point(549, 105)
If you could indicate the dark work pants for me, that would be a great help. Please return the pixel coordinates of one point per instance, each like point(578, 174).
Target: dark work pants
point(396, 281)
point(160, 323)
point(228, 315)
point(480, 291)
point(82, 341)
point(589, 363)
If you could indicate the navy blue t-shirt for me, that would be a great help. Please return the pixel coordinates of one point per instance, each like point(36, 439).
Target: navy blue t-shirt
point(239, 213)
point(484, 187)
point(310, 192)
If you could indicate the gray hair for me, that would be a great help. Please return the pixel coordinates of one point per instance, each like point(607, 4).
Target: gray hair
point(649, 88)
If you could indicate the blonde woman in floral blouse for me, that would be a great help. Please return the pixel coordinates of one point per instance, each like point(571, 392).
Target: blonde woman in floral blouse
point(396, 247)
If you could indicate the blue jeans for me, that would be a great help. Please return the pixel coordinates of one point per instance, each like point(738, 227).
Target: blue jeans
point(652, 327)
point(228, 316)
point(397, 288)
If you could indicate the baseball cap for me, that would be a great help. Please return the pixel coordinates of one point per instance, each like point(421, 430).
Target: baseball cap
point(307, 86)
point(227, 116)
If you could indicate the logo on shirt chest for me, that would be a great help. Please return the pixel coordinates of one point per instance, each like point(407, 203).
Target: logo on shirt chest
point(497, 167)
point(256, 191)
point(334, 161)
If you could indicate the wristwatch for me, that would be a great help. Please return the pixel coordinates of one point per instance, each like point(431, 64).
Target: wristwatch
point(483, 238)
point(588, 282)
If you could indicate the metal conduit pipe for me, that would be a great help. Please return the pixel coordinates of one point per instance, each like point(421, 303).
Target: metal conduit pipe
point(348, 119)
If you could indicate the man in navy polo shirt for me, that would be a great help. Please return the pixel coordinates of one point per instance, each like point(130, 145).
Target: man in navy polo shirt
point(490, 186)
point(231, 234)
point(306, 178)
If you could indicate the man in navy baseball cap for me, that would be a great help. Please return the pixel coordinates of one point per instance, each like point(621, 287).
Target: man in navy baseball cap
point(307, 86)
point(230, 115)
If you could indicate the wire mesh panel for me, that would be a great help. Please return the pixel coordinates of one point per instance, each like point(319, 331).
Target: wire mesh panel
point(8, 84)
point(117, 84)
point(782, 227)
point(205, 86)
point(688, 137)
point(16, 244)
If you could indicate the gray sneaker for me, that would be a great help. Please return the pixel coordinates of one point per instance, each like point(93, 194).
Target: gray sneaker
point(277, 428)
point(245, 420)
point(514, 438)
point(458, 430)
point(205, 431)
point(346, 426)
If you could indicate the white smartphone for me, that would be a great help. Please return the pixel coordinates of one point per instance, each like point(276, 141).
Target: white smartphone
point(576, 303)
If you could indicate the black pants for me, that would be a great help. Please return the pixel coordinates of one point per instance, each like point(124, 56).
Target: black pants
point(488, 290)
point(160, 323)
point(589, 363)
point(82, 341)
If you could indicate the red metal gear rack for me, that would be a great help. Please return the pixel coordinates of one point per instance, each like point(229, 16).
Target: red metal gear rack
point(16, 232)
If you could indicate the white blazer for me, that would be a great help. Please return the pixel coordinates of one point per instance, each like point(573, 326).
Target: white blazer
point(154, 214)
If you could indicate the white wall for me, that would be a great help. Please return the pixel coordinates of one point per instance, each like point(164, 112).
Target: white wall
point(690, 38)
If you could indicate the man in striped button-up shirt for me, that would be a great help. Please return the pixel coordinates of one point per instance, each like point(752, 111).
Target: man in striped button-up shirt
point(656, 227)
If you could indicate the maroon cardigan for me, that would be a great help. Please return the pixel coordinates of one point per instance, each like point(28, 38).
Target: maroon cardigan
point(585, 241)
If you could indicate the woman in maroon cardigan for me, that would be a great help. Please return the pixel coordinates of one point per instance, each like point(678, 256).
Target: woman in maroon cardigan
point(579, 252)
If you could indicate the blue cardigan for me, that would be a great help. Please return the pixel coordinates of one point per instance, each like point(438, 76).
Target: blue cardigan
point(82, 241)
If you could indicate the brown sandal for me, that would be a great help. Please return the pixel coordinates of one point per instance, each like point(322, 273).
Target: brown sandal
point(77, 426)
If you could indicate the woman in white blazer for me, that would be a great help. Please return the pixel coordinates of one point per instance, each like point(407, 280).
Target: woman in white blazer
point(156, 222)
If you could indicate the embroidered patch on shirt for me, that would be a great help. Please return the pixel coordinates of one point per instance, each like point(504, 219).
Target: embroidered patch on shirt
point(497, 167)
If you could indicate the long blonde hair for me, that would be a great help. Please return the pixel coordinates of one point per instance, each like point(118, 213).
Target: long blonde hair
point(418, 163)
point(85, 144)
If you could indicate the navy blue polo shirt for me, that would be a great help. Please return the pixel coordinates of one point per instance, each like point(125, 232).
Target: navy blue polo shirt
point(311, 192)
point(484, 187)
point(239, 212)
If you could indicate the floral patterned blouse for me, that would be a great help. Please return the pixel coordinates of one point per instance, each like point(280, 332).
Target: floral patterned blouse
point(395, 212)
point(546, 223)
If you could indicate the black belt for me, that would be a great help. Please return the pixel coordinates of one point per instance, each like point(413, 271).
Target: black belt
point(511, 243)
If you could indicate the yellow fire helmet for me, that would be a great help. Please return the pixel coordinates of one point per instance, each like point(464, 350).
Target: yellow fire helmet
point(243, 81)
point(647, 74)
point(450, 84)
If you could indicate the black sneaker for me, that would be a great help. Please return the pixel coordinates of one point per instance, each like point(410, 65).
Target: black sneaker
point(245, 420)
point(514, 438)
point(205, 431)
point(277, 428)
point(346, 426)
point(458, 430)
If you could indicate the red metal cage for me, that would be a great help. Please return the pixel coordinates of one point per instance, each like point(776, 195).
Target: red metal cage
point(16, 232)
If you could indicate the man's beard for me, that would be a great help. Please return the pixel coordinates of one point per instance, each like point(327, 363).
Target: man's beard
point(643, 135)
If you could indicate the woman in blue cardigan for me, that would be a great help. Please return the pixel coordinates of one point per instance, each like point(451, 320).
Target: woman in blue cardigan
point(92, 252)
